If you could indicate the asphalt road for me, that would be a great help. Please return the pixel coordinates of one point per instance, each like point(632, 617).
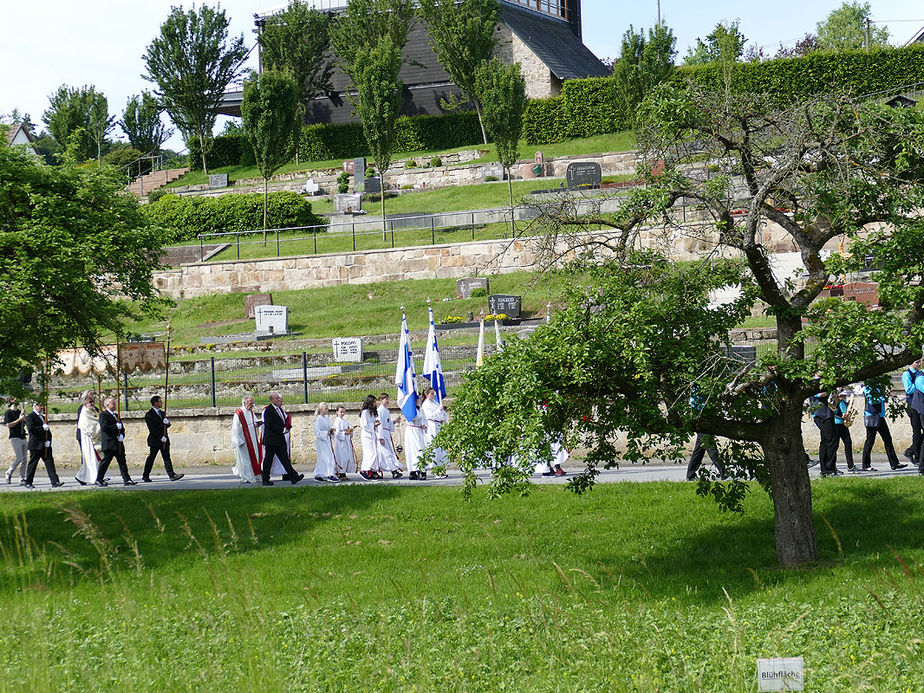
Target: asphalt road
point(200, 478)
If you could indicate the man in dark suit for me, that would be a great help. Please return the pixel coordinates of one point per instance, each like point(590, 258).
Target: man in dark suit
point(274, 440)
point(158, 440)
point(39, 447)
point(113, 435)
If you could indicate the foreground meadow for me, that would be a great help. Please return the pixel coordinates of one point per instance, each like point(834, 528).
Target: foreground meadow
point(631, 587)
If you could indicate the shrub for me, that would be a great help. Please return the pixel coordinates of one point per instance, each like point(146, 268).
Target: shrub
point(436, 162)
point(490, 179)
point(187, 217)
point(407, 186)
point(478, 293)
point(157, 193)
point(227, 150)
point(410, 164)
point(343, 182)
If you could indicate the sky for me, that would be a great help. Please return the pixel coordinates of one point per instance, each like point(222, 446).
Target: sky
point(46, 43)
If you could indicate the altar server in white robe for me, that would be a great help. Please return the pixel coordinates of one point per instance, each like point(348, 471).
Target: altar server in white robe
point(435, 414)
point(369, 436)
point(415, 440)
point(326, 468)
point(344, 454)
point(388, 456)
point(248, 452)
point(91, 440)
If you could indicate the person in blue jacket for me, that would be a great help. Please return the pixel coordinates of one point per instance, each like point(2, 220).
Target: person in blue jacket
point(842, 431)
point(917, 405)
point(908, 378)
point(874, 418)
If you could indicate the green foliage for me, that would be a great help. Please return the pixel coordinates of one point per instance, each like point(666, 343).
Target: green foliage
point(410, 163)
point(545, 121)
point(70, 242)
point(502, 90)
point(643, 64)
point(343, 182)
point(121, 156)
point(724, 44)
point(844, 29)
point(435, 162)
point(365, 24)
point(587, 107)
point(479, 293)
point(187, 217)
point(142, 125)
point(78, 119)
point(192, 62)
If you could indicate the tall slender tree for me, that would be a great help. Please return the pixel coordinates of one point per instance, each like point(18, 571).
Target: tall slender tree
point(74, 118)
point(269, 110)
point(462, 35)
point(643, 63)
point(142, 125)
point(192, 61)
point(100, 123)
point(850, 28)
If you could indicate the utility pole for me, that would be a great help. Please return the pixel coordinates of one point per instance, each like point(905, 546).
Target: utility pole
point(867, 34)
point(659, 13)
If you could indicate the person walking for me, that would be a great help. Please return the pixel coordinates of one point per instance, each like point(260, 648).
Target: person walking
point(90, 439)
point(39, 446)
point(369, 437)
point(113, 444)
point(158, 440)
point(842, 416)
point(344, 455)
point(274, 441)
point(248, 452)
point(326, 467)
point(823, 416)
point(908, 378)
point(15, 421)
point(874, 418)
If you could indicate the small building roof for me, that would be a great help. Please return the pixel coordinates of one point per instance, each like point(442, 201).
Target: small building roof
point(14, 131)
point(917, 38)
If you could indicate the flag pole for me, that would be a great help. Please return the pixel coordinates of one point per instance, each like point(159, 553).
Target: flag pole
point(167, 371)
point(118, 384)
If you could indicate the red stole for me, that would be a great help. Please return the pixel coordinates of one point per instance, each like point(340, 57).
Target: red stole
point(255, 451)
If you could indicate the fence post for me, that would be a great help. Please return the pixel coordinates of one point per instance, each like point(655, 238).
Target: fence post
point(353, 225)
point(213, 381)
point(277, 242)
point(392, 233)
point(315, 241)
point(238, 245)
point(125, 381)
point(305, 374)
point(201, 251)
point(473, 226)
point(432, 231)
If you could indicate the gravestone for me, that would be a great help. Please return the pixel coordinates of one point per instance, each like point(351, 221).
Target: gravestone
point(218, 180)
point(508, 305)
point(373, 185)
point(359, 173)
point(272, 320)
point(495, 171)
point(348, 166)
point(251, 302)
point(348, 349)
point(584, 174)
point(348, 203)
point(311, 187)
point(466, 285)
point(863, 292)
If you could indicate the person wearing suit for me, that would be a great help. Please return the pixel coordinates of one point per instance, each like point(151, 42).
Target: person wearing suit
point(39, 447)
point(158, 440)
point(113, 439)
point(274, 441)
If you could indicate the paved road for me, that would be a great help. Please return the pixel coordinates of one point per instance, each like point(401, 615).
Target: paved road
point(200, 478)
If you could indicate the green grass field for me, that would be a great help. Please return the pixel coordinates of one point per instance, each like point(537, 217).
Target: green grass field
point(630, 588)
point(617, 142)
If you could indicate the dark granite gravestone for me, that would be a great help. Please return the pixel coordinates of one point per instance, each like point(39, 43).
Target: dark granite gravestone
point(466, 285)
point(508, 305)
point(864, 292)
point(251, 302)
point(584, 174)
point(493, 171)
point(373, 185)
point(359, 173)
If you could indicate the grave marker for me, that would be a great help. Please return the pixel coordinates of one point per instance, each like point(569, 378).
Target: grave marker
point(584, 174)
point(272, 320)
point(508, 305)
point(466, 285)
point(251, 302)
point(348, 349)
point(218, 180)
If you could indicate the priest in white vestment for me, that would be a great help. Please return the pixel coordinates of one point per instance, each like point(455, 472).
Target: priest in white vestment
point(326, 467)
point(248, 452)
point(90, 441)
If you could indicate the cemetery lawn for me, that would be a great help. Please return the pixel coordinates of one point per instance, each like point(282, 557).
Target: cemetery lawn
point(633, 587)
point(349, 310)
point(615, 142)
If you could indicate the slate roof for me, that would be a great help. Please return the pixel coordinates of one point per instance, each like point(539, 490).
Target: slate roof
point(554, 43)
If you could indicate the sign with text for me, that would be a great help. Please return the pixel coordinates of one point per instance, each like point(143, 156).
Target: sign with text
point(863, 292)
point(348, 203)
point(508, 305)
point(584, 174)
point(348, 349)
point(466, 285)
point(272, 319)
point(784, 674)
point(218, 180)
point(359, 173)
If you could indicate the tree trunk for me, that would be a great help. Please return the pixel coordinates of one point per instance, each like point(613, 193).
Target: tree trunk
point(265, 182)
point(484, 134)
point(205, 166)
point(786, 330)
point(384, 222)
point(791, 487)
point(510, 191)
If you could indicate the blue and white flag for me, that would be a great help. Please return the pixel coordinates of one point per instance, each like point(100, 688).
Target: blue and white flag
point(405, 378)
point(432, 368)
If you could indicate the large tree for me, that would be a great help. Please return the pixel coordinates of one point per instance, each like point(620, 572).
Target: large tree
point(462, 36)
point(848, 27)
point(643, 63)
point(78, 119)
point(192, 62)
point(502, 89)
point(269, 110)
point(640, 351)
point(724, 42)
point(142, 125)
point(73, 247)
point(369, 39)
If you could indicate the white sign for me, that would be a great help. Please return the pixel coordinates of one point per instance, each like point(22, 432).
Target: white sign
point(348, 349)
point(784, 674)
point(272, 319)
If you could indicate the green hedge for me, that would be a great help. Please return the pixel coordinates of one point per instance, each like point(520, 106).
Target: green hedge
point(227, 150)
point(187, 217)
point(592, 106)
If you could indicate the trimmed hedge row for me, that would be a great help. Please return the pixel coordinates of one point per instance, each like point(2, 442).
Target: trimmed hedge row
point(592, 106)
point(227, 150)
point(186, 217)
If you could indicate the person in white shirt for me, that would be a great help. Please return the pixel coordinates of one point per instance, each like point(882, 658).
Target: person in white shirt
point(388, 456)
point(326, 467)
point(369, 436)
point(344, 454)
point(435, 414)
point(415, 440)
point(248, 452)
point(91, 440)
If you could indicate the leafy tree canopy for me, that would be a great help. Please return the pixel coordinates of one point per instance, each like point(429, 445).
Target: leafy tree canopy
point(725, 42)
point(78, 119)
point(643, 63)
point(142, 125)
point(639, 352)
point(845, 29)
point(365, 24)
point(73, 247)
